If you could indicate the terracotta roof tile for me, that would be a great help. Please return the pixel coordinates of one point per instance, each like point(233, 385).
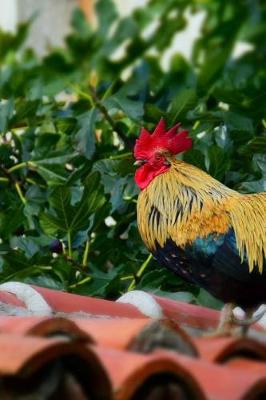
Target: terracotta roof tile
point(42, 326)
point(222, 382)
point(10, 298)
point(69, 303)
point(98, 349)
point(135, 375)
point(225, 348)
point(139, 335)
point(25, 358)
point(188, 314)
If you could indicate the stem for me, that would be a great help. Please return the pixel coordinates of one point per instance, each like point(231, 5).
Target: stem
point(14, 182)
point(86, 253)
point(25, 271)
point(132, 285)
point(196, 125)
point(18, 166)
point(139, 273)
point(98, 104)
point(69, 244)
point(108, 91)
point(74, 263)
point(127, 198)
point(4, 179)
point(120, 156)
point(95, 102)
point(125, 278)
point(87, 279)
point(19, 192)
point(144, 266)
point(83, 94)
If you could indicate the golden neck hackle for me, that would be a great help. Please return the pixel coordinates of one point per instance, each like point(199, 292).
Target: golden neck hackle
point(185, 203)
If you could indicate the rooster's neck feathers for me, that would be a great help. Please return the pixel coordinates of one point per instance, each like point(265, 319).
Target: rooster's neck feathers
point(185, 203)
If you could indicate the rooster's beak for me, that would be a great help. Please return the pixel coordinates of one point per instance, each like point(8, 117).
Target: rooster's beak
point(139, 163)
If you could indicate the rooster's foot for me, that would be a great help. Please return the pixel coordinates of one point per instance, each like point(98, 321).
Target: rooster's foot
point(230, 325)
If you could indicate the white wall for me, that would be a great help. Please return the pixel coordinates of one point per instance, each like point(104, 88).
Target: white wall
point(52, 24)
point(8, 14)
point(127, 6)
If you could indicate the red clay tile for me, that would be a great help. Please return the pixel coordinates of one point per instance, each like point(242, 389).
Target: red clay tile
point(42, 326)
point(189, 314)
point(248, 365)
point(141, 335)
point(224, 348)
point(221, 382)
point(11, 299)
point(228, 368)
point(23, 357)
point(115, 333)
point(69, 303)
point(138, 377)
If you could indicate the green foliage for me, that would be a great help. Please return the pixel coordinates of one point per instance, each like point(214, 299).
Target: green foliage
point(68, 123)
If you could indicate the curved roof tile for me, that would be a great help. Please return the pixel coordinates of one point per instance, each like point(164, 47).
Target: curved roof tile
point(98, 349)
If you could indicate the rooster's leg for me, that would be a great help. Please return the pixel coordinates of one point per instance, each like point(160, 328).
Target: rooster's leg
point(250, 319)
point(231, 325)
point(226, 322)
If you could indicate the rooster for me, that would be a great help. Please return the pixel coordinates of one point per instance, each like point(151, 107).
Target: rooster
point(208, 234)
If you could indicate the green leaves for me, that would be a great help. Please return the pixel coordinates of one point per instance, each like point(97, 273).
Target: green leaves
point(10, 42)
point(184, 101)
point(85, 136)
point(65, 218)
point(68, 124)
point(6, 111)
point(107, 14)
point(218, 162)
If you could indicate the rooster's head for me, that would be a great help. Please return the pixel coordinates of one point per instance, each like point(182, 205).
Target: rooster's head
point(153, 150)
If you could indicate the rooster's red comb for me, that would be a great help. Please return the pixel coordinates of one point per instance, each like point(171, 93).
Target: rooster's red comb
point(174, 141)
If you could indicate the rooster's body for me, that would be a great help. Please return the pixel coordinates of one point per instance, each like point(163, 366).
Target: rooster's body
point(203, 231)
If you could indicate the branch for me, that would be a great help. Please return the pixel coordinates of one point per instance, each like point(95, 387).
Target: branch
point(97, 103)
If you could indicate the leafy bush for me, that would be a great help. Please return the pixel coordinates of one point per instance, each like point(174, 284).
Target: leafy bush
point(68, 123)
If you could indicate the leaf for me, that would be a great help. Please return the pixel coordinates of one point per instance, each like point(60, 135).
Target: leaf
point(115, 179)
point(106, 15)
point(260, 160)
point(53, 175)
point(218, 162)
point(11, 42)
point(26, 244)
point(101, 283)
point(195, 157)
point(46, 281)
point(92, 199)
point(66, 218)
point(54, 159)
point(85, 137)
point(80, 24)
point(186, 297)
point(132, 108)
point(206, 299)
point(238, 122)
point(61, 219)
point(253, 186)
point(6, 111)
point(256, 145)
point(184, 101)
point(11, 219)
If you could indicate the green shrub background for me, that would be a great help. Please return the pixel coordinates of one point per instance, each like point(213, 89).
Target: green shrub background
point(68, 123)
